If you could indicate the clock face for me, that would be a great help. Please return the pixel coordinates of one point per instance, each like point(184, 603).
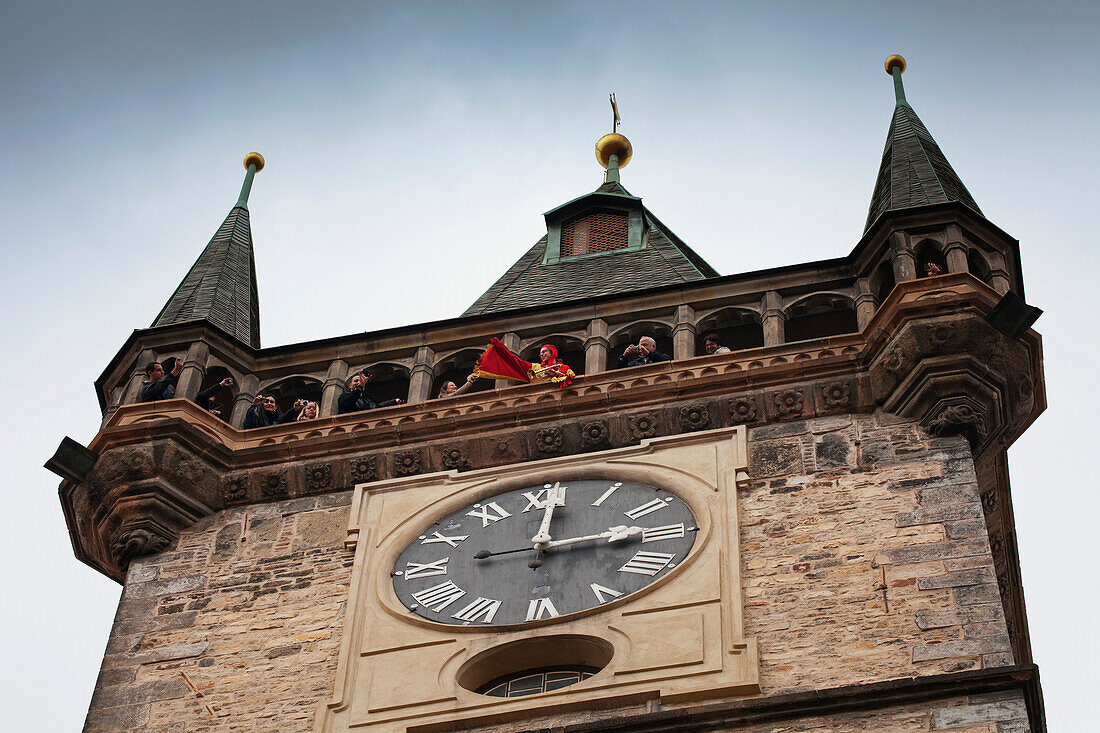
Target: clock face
point(544, 551)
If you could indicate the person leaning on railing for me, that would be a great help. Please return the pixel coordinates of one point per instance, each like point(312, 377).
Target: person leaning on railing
point(158, 385)
point(357, 399)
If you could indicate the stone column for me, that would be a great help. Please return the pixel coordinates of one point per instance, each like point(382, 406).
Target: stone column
point(423, 372)
point(194, 369)
point(866, 303)
point(998, 275)
point(596, 346)
point(904, 261)
point(511, 340)
point(333, 387)
point(955, 250)
point(774, 320)
point(683, 333)
point(133, 385)
point(247, 388)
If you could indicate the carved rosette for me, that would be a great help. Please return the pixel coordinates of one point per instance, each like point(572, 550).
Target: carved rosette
point(455, 458)
point(643, 426)
point(788, 404)
point(549, 440)
point(318, 477)
point(989, 502)
point(236, 489)
point(742, 410)
point(406, 463)
point(837, 395)
point(694, 417)
point(274, 485)
point(594, 434)
point(363, 469)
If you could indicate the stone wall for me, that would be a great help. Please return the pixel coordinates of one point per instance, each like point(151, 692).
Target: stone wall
point(864, 559)
point(237, 628)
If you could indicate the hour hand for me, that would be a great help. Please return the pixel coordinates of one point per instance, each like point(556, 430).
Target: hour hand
point(554, 497)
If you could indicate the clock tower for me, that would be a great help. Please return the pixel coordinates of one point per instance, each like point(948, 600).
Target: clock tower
point(810, 527)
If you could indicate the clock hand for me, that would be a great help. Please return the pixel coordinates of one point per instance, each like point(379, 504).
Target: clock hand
point(553, 496)
point(482, 554)
point(613, 534)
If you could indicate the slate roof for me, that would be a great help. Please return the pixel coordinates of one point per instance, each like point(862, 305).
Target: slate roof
point(914, 171)
point(221, 286)
point(665, 260)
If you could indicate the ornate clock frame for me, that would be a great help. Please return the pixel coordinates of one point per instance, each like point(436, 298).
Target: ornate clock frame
point(681, 638)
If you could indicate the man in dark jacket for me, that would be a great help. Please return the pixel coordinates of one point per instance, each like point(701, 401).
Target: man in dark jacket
point(158, 385)
point(356, 398)
point(205, 399)
point(263, 412)
point(645, 352)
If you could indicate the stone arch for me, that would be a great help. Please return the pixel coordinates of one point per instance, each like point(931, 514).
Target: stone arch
point(882, 280)
point(738, 328)
point(820, 315)
point(929, 252)
point(455, 367)
point(295, 387)
point(630, 333)
point(223, 398)
point(978, 265)
point(389, 381)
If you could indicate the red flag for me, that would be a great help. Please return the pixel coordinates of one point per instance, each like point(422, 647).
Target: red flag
point(499, 363)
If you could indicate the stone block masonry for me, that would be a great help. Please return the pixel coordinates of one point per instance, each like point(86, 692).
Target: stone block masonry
point(236, 628)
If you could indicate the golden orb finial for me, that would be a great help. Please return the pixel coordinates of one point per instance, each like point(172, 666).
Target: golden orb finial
point(895, 60)
point(613, 144)
point(254, 159)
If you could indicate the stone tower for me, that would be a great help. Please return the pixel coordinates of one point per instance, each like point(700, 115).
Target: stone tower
point(812, 529)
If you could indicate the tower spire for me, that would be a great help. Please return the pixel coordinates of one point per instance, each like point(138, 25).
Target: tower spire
point(914, 171)
point(220, 287)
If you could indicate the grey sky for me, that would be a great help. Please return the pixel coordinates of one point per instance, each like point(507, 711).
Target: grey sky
point(411, 150)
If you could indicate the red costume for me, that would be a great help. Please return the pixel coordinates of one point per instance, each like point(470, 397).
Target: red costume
point(499, 363)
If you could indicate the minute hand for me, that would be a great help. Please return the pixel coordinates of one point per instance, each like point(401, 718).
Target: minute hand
point(613, 534)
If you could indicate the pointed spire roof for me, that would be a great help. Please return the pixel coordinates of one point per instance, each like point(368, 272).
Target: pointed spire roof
point(220, 287)
point(914, 171)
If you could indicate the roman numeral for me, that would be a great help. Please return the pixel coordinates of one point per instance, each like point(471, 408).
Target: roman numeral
point(600, 592)
point(539, 606)
point(491, 512)
point(609, 492)
point(644, 509)
point(486, 608)
point(668, 532)
point(647, 563)
point(416, 570)
point(439, 596)
point(537, 500)
point(436, 537)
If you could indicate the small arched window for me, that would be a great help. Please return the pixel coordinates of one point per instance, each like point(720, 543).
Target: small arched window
point(977, 265)
point(820, 316)
point(928, 253)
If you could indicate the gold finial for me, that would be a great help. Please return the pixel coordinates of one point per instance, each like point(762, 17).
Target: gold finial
point(895, 60)
point(254, 159)
point(613, 144)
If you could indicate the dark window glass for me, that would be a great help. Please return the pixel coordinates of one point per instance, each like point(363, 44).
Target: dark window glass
point(532, 682)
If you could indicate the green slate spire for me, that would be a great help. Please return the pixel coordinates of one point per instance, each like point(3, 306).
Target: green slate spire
point(914, 171)
point(220, 287)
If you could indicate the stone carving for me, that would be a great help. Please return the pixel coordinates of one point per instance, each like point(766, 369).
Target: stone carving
point(548, 440)
point(643, 426)
point(236, 489)
point(694, 417)
point(454, 458)
point(989, 502)
point(837, 395)
point(503, 448)
point(959, 419)
point(788, 404)
point(742, 410)
point(894, 361)
point(1004, 585)
point(594, 434)
point(274, 485)
point(319, 476)
point(363, 469)
point(996, 548)
point(407, 463)
point(135, 542)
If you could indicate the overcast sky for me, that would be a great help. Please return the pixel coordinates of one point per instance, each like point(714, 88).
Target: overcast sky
point(411, 149)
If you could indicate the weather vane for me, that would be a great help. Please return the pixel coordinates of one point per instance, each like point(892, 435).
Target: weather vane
point(616, 120)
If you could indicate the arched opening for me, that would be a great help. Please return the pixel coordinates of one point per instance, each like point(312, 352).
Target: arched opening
point(930, 260)
point(287, 391)
point(619, 340)
point(736, 328)
point(978, 266)
point(455, 368)
point(222, 401)
point(882, 281)
point(819, 316)
point(570, 352)
point(387, 382)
